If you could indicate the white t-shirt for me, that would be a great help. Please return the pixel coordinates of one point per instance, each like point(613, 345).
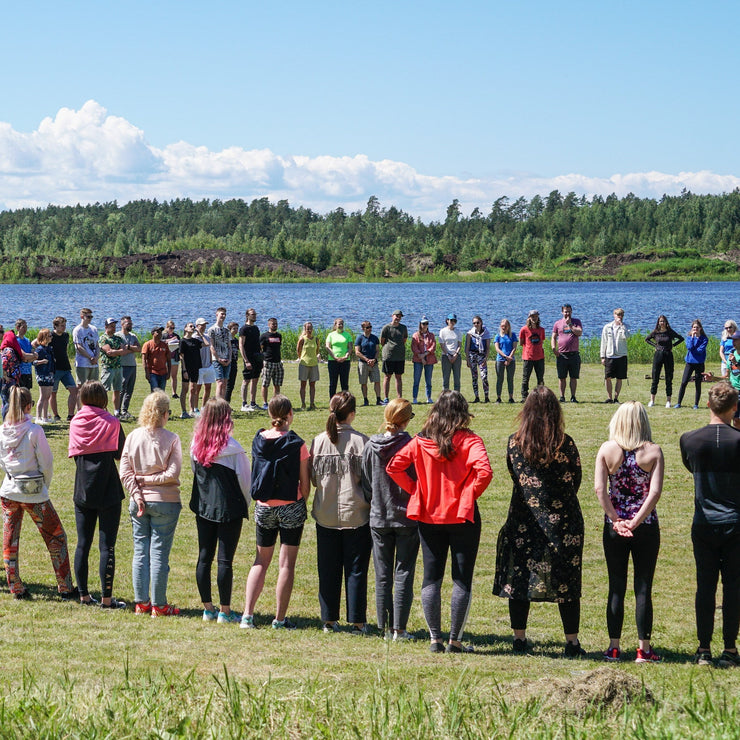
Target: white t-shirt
point(450, 339)
point(88, 338)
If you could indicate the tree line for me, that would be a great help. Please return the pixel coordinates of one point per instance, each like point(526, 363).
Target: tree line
point(515, 234)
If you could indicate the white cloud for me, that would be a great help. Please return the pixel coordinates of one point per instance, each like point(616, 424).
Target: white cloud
point(88, 155)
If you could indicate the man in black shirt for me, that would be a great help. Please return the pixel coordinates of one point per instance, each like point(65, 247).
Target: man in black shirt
point(249, 348)
point(273, 371)
point(63, 373)
point(712, 454)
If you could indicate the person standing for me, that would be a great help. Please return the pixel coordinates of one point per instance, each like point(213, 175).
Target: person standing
point(450, 338)
point(393, 338)
point(63, 372)
point(155, 355)
point(87, 351)
point(696, 357)
point(206, 374)
point(172, 340)
point(273, 371)
point(220, 341)
point(190, 346)
point(12, 356)
point(111, 350)
point(424, 356)
point(339, 350)
point(307, 351)
point(711, 454)
point(233, 328)
point(249, 348)
point(614, 354)
point(566, 333)
point(505, 344)
point(366, 351)
point(45, 369)
point(26, 379)
point(664, 339)
point(128, 365)
point(532, 339)
point(725, 345)
point(628, 482)
point(477, 348)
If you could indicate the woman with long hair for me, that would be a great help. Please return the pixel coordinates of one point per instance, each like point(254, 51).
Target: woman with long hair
point(281, 485)
point(95, 442)
point(505, 343)
point(540, 546)
point(307, 351)
point(395, 536)
point(424, 356)
point(339, 344)
point(628, 483)
point(221, 481)
point(26, 458)
point(172, 339)
point(725, 346)
point(342, 515)
point(664, 339)
point(150, 471)
point(452, 471)
point(45, 369)
point(696, 357)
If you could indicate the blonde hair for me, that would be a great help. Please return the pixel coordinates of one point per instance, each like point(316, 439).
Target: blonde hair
point(630, 426)
point(397, 413)
point(19, 399)
point(153, 410)
point(727, 334)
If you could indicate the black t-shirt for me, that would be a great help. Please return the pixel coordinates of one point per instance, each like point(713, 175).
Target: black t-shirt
point(59, 344)
point(190, 354)
point(270, 342)
point(251, 336)
point(712, 454)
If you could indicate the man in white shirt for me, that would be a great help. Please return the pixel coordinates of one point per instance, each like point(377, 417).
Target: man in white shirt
point(87, 351)
point(614, 354)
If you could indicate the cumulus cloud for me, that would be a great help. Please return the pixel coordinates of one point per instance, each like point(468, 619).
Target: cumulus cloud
point(87, 155)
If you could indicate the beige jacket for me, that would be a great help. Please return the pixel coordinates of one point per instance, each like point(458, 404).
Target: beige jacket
point(339, 502)
point(151, 463)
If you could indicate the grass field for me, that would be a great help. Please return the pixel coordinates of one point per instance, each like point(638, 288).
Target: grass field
point(74, 672)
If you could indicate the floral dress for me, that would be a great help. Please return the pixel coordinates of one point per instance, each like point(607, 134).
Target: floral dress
point(540, 546)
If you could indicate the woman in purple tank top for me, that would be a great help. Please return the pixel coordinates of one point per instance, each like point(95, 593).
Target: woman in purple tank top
point(628, 482)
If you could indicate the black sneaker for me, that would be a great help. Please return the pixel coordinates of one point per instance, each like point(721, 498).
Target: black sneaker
point(608, 400)
point(436, 647)
point(519, 647)
point(379, 402)
point(562, 399)
point(573, 399)
point(573, 650)
point(728, 660)
point(114, 604)
point(24, 595)
point(366, 402)
point(73, 595)
point(90, 602)
point(703, 657)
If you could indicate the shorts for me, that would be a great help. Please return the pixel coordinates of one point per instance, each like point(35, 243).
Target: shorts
point(45, 381)
point(393, 367)
point(112, 378)
point(184, 375)
point(308, 373)
point(568, 363)
point(368, 374)
point(87, 373)
point(615, 367)
point(26, 381)
point(273, 371)
point(221, 371)
point(206, 376)
point(65, 378)
point(287, 520)
point(250, 373)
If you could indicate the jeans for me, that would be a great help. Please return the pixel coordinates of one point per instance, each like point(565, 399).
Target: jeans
point(428, 370)
point(158, 381)
point(501, 369)
point(127, 390)
point(448, 367)
point(153, 533)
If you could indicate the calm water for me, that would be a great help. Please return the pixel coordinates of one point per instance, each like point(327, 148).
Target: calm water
point(322, 302)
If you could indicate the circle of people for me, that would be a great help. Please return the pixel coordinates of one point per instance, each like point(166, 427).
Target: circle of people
point(387, 496)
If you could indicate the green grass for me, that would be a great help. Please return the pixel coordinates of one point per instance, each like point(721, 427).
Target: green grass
point(73, 672)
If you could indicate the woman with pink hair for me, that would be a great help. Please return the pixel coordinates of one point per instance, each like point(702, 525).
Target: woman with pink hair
point(221, 485)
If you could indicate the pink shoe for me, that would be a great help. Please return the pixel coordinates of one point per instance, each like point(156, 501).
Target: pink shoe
point(168, 610)
point(647, 656)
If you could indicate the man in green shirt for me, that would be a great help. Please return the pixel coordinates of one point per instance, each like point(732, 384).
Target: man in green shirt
point(111, 349)
point(393, 340)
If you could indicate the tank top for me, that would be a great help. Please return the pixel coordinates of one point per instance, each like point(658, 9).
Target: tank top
point(308, 351)
point(628, 489)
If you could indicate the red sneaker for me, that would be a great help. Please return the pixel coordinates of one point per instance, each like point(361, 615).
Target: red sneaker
point(647, 656)
point(613, 654)
point(168, 610)
point(143, 607)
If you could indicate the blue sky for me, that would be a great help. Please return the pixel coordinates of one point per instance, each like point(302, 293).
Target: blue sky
point(328, 103)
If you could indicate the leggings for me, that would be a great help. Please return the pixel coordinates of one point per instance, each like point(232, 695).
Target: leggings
point(108, 520)
point(226, 535)
point(461, 541)
point(643, 547)
point(662, 361)
point(502, 369)
point(570, 615)
point(697, 368)
point(478, 363)
point(338, 371)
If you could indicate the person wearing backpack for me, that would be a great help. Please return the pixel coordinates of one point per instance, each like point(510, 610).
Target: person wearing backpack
point(280, 489)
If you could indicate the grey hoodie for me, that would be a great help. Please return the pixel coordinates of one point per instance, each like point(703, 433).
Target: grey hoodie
point(24, 453)
point(388, 501)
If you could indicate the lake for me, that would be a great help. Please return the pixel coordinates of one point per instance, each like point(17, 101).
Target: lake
point(292, 304)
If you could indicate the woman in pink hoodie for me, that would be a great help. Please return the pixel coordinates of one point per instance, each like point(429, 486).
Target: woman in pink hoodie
point(96, 442)
point(452, 472)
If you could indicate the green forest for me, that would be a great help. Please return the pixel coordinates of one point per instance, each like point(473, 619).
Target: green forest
point(557, 236)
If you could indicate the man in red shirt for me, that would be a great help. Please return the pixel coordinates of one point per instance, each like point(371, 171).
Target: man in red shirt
point(155, 355)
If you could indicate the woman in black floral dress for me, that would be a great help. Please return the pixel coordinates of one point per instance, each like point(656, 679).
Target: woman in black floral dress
point(540, 546)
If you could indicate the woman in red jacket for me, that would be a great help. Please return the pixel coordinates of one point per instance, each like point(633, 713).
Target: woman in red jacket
point(452, 471)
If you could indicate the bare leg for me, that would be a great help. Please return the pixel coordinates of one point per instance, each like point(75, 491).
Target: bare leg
point(399, 386)
point(284, 588)
point(256, 577)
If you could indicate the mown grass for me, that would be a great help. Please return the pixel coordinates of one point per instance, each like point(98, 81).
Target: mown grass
point(74, 672)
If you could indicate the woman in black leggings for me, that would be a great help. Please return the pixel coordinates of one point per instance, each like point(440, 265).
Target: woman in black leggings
point(664, 339)
point(631, 466)
point(221, 482)
point(96, 442)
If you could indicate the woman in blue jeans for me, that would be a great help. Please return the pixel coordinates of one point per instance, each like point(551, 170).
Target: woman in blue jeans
point(150, 471)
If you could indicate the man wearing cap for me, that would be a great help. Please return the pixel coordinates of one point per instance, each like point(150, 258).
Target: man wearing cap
point(87, 352)
point(614, 354)
point(112, 348)
point(220, 339)
point(532, 341)
point(450, 340)
point(566, 333)
point(155, 356)
point(393, 338)
point(366, 351)
point(712, 454)
point(128, 363)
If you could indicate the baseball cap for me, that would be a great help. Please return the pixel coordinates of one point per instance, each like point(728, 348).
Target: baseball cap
point(397, 312)
point(157, 328)
point(423, 320)
point(533, 312)
point(110, 320)
point(200, 321)
point(451, 317)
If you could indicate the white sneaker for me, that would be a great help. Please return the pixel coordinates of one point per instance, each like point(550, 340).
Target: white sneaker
point(245, 407)
point(651, 404)
point(40, 421)
point(667, 404)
